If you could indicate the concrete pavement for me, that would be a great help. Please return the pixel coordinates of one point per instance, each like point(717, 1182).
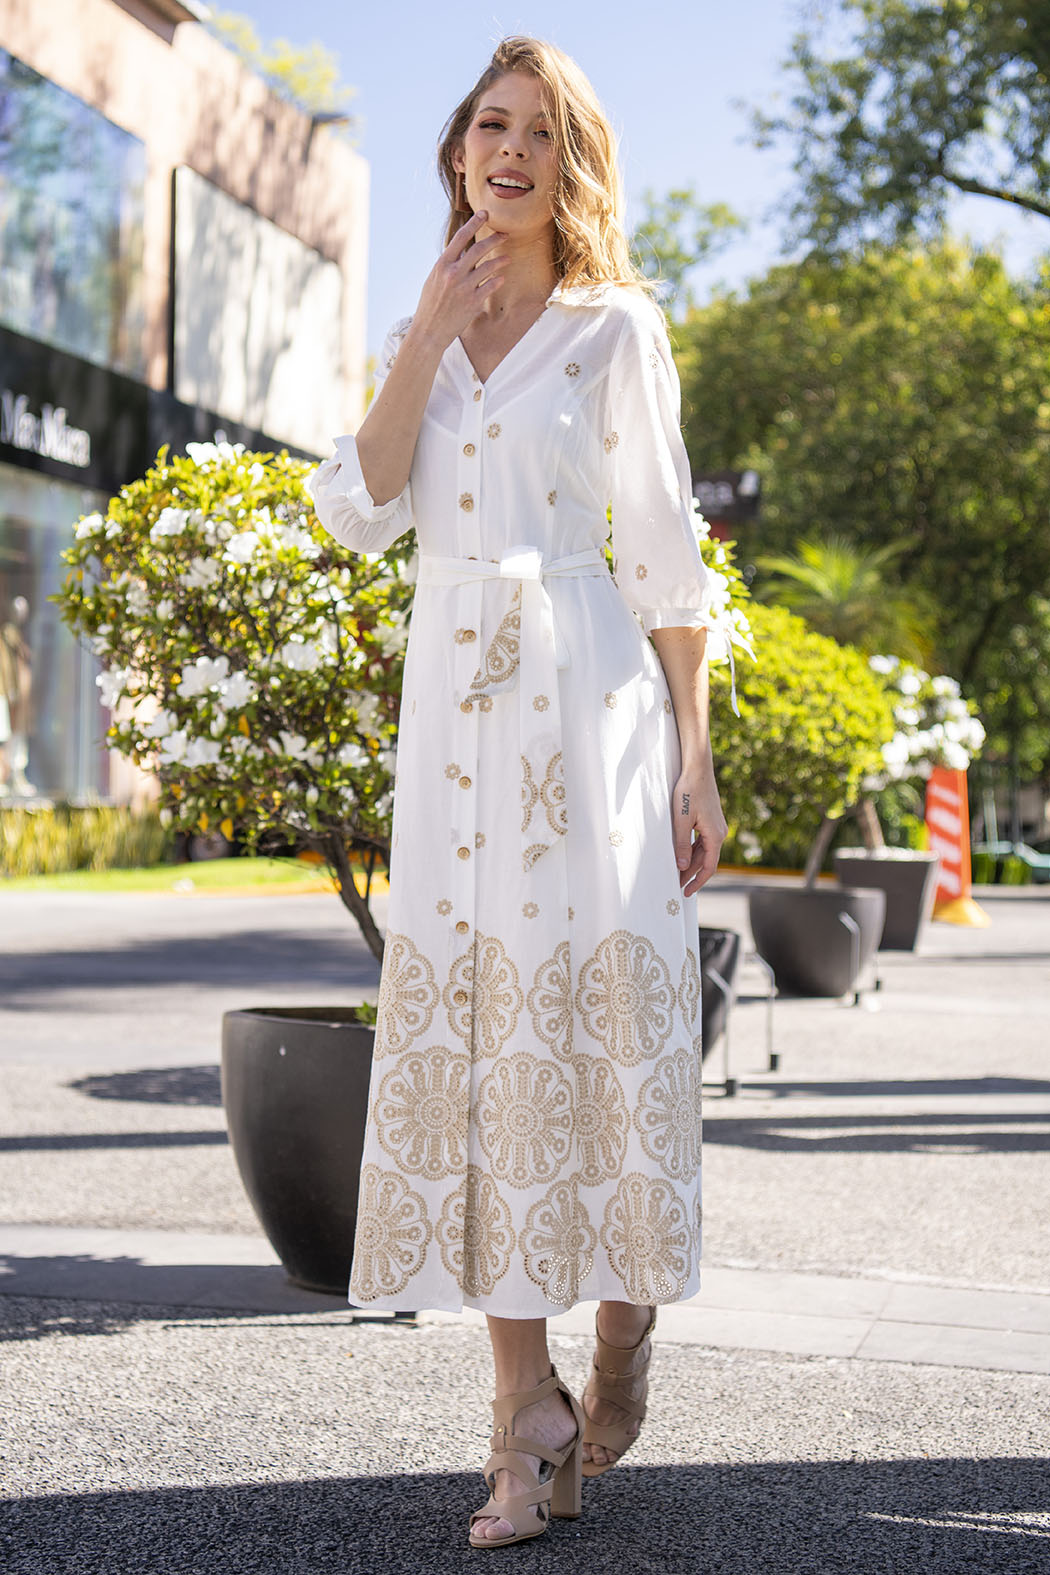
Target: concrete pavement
point(863, 1383)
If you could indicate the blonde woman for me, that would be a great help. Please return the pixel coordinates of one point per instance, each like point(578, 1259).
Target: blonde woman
point(534, 1126)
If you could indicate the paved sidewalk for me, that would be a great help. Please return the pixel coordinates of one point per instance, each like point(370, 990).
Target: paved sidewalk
point(863, 1384)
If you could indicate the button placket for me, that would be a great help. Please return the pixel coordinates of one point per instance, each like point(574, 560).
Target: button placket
point(463, 852)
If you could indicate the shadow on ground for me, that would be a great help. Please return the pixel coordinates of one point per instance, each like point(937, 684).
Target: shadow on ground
point(939, 1516)
point(169, 1085)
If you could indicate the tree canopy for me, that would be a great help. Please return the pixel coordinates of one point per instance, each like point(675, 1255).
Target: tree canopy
point(897, 395)
point(307, 74)
point(926, 98)
point(675, 235)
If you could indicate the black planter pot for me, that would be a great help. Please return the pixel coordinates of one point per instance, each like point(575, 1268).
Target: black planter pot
point(800, 934)
point(719, 953)
point(909, 881)
point(295, 1091)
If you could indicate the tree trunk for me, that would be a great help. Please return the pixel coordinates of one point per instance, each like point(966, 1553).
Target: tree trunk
point(821, 843)
point(335, 852)
point(868, 820)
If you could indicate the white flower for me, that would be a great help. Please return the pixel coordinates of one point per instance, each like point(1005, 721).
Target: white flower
point(355, 756)
point(203, 454)
point(161, 725)
point(165, 816)
point(136, 600)
point(943, 685)
point(750, 846)
point(201, 573)
point(199, 676)
point(173, 748)
point(301, 541)
point(218, 725)
point(391, 638)
point(89, 525)
point(388, 760)
point(367, 707)
point(170, 522)
point(312, 796)
point(302, 656)
point(909, 682)
point(165, 608)
point(256, 472)
point(202, 752)
point(237, 690)
point(99, 644)
point(112, 683)
point(883, 664)
point(241, 547)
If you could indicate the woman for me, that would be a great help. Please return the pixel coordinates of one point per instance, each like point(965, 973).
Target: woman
point(534, 1124)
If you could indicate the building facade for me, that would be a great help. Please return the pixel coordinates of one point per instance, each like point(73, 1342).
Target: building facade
point(182, 254)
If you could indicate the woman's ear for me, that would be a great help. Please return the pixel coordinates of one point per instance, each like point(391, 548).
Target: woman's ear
point(459, 163)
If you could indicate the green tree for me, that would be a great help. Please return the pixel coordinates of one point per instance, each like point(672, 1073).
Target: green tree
point(675, 235)
point(927, 98)
point(307, 74)
point(895, 397)
point(852, 593)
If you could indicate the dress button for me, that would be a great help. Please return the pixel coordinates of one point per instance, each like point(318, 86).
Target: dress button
point(465, 782)
point(460, 998)
point(466, 705)
point(466, 502)
point(462, 927)
point(468, 449)
point(477, 394)
point(469, 634)
point(464, 853)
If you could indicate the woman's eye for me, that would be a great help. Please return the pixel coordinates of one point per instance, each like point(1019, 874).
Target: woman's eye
point(491, 125)
point(543, 132)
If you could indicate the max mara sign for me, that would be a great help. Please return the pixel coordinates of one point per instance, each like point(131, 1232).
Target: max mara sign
point(48, 434)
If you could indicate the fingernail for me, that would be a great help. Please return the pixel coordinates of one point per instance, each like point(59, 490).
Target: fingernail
point(683, 864)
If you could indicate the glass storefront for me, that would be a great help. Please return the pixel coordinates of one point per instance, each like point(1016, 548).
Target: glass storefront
point(52, 724)
point(71, 222)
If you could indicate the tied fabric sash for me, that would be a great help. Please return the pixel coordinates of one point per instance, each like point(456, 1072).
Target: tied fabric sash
point(524, 653)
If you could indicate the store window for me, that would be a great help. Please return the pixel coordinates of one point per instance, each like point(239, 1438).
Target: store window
point(71, 222)
point(52, 723)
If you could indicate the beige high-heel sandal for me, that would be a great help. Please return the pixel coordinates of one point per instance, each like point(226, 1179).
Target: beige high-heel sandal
point(555, 1492)
point(620, 1375)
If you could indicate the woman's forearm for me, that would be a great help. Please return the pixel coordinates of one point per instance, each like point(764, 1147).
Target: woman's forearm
point(388, 435)
point(683, 657)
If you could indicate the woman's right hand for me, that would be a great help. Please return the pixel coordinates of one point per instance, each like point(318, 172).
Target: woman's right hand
point(459, 283)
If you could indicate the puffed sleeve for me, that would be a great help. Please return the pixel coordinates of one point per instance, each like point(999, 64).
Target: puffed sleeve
point(342, 501)
point(659, 570)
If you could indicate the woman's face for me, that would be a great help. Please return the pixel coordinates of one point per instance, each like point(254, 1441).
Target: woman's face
point(507, 158)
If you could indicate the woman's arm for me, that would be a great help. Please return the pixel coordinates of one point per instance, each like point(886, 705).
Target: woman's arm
point(455, 291)
point(695, 806)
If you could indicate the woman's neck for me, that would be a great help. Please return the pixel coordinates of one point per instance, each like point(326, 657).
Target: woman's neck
point(528, 277)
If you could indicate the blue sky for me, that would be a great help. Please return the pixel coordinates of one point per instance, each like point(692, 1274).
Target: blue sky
point(671, 79)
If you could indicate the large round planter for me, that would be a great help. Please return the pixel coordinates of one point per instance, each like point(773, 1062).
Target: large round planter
point(719, 954)
point(800, 933)
point(909, 880)
point(295, 1091)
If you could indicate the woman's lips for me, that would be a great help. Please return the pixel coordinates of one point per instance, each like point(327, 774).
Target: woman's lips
point(508, 191)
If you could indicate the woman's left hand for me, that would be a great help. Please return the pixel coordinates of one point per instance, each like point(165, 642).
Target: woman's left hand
point(696, 812)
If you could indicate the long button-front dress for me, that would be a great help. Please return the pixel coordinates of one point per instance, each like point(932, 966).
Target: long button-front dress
point(533, 1134)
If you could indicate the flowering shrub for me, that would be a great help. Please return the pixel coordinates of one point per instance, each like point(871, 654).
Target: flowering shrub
point(935, 726)
point(252, 663)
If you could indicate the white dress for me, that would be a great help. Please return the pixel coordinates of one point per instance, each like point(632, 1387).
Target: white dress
point(533, 1134)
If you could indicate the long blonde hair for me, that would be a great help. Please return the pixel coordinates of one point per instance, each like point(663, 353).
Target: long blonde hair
point(590, 244)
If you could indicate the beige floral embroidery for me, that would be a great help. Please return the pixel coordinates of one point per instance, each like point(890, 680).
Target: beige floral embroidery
point(493, 429)
point(602, 1122)
point(475, 1235)
point(557, 1244)
point(393, 1234)
point(483, 997)
point(444, 906)
point(552, 497)
point(611, 441)
point(649, 1236)
point(641, 572)
point(466, 502)
point(525, 1119)
point(689, 992)
point(421, 1112)
point(465, 636)
point(452, 770)
point(552, 796)
point(654, 360)
point(616, 838)
point(530, 909)
point(668, 707)
point(668, 1115)
point(573, 369)
point(674, 906)
point(532, 853)
point(408, 997)
point(530, 793)
point(479, 839)
point(540, 702)
point(504, 651)
point(550, 1002)
point(572, 913)
point(625, 998)
point(484, 702)
point(610, 700)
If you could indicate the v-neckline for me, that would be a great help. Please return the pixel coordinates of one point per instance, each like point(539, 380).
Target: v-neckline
point(507, 354)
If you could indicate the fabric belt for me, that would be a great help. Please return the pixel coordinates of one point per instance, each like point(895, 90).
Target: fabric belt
point(524, 654)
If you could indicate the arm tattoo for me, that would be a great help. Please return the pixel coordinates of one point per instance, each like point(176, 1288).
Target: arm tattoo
point(685, 803)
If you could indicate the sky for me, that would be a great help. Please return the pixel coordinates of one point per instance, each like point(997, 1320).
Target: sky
point(674, 81)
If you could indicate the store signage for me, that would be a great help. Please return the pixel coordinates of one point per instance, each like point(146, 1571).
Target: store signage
point(48, 434)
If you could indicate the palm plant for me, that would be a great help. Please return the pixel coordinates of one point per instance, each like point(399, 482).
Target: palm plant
point(849, 591)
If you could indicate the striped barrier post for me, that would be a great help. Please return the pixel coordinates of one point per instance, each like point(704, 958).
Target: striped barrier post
point(948, 831)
